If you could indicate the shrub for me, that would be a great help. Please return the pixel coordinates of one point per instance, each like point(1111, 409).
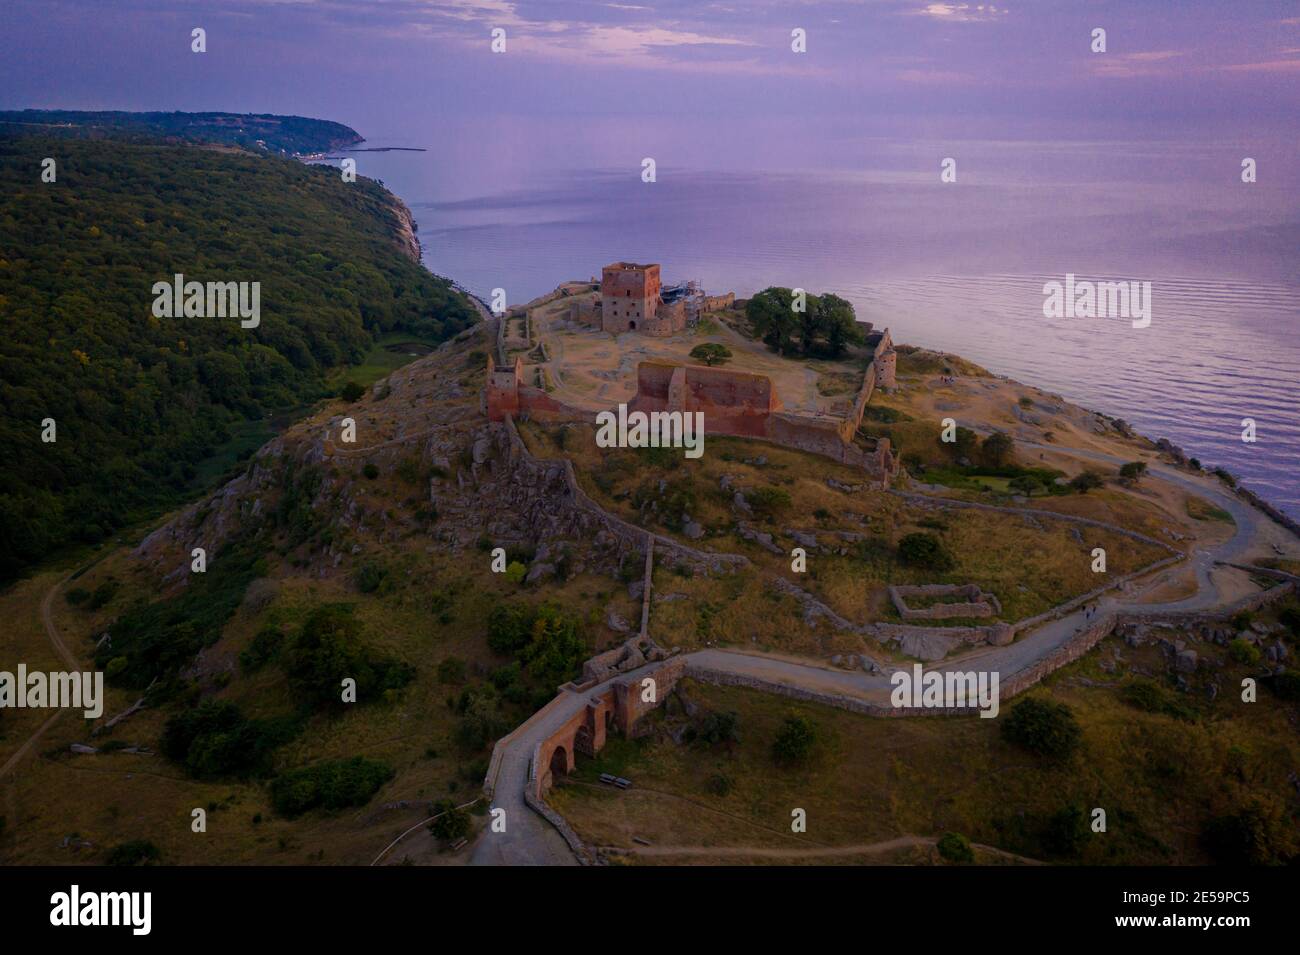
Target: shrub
point(711, 353)
point(1257, 834)
point(451, 670)
point(328, 649)
point(371, 577)
point(1244, 652)
point(1132, 471)
point(331, 785)
point(410, 470)
point(371, 471)
point(1225, 476)
point(516, 572)
point(508, 629)
point(135, 852)
point(794, 741)
point(718, 728)
point(1086, 481)
point(1152, 698)
point(719, 784)
point(452, 823)
point(1285, 685)
point(215, 739)
point(264, 647)
point(352, 391)
point(102, 594)
point(1065, 832)
point(924, 550)
point(1026, 484)
point(480, 721)
point(1290, 618)
point(954, 847)
point(1044, 727)
point(997, 449)
point(769, 502)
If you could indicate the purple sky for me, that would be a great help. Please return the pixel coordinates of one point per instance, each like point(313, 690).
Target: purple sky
point(1211, 70)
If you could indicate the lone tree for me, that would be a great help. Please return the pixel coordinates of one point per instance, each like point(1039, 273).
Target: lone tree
point(1086, 481)
point(711, 353)
point(451, 823)
point(964, 443)
point(954, 847)
point(1043, 727)
point(1026, 484)
point(794, 741)
point(1133, 471)
point(352, 391)
point(997, 449)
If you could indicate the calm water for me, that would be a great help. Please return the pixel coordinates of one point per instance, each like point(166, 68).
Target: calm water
point(959, 267)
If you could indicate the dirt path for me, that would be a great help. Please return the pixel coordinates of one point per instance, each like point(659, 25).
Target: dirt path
point(56, 640)
point(813, 852)
point(876, 688)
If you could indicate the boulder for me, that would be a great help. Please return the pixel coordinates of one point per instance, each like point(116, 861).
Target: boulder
point(1186, 661)
point(616, 623)
point(538, 571)
point(802, 538)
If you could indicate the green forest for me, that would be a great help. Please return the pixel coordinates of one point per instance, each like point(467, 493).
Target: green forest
point(289, 134)
point(139, 402)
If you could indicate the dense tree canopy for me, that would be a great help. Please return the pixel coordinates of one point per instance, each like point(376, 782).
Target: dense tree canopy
point(816, 326)
point(139, 401)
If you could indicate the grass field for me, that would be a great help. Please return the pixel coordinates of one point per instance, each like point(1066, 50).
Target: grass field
point(1159, 777)
point(1029, 564)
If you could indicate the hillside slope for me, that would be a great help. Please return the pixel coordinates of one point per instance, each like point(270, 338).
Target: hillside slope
point(139, 401)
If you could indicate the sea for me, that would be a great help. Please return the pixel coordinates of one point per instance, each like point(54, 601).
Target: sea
point(957, 266)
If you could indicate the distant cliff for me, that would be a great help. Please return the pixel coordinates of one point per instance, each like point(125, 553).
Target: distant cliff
point(293, 135)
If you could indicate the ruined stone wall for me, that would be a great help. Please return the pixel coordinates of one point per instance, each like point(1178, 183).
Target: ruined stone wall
point(817, 435)
point(669, 318)
point(595, 520)
point(719, 303)
point(732, 402)
point(629, 705)
point(976, 603)
point(853, 420)
point(585, 311)
point(503, 387)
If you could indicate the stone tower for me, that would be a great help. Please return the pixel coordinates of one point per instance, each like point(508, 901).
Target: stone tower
point(629, 296)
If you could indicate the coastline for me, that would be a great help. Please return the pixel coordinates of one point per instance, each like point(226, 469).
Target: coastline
point(409, 241)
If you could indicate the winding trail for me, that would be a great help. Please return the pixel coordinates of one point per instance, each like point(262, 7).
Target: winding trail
point(533, 841)
point(811, 852)
point(56, 640)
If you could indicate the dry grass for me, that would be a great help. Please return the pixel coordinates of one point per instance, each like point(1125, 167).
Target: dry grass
point(1158, 778)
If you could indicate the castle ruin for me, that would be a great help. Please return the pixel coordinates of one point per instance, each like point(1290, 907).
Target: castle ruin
point(632, 299)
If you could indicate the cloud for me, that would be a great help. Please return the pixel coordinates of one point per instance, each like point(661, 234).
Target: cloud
point(961, 12)
point(1265, 66)
point(1145, 63)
